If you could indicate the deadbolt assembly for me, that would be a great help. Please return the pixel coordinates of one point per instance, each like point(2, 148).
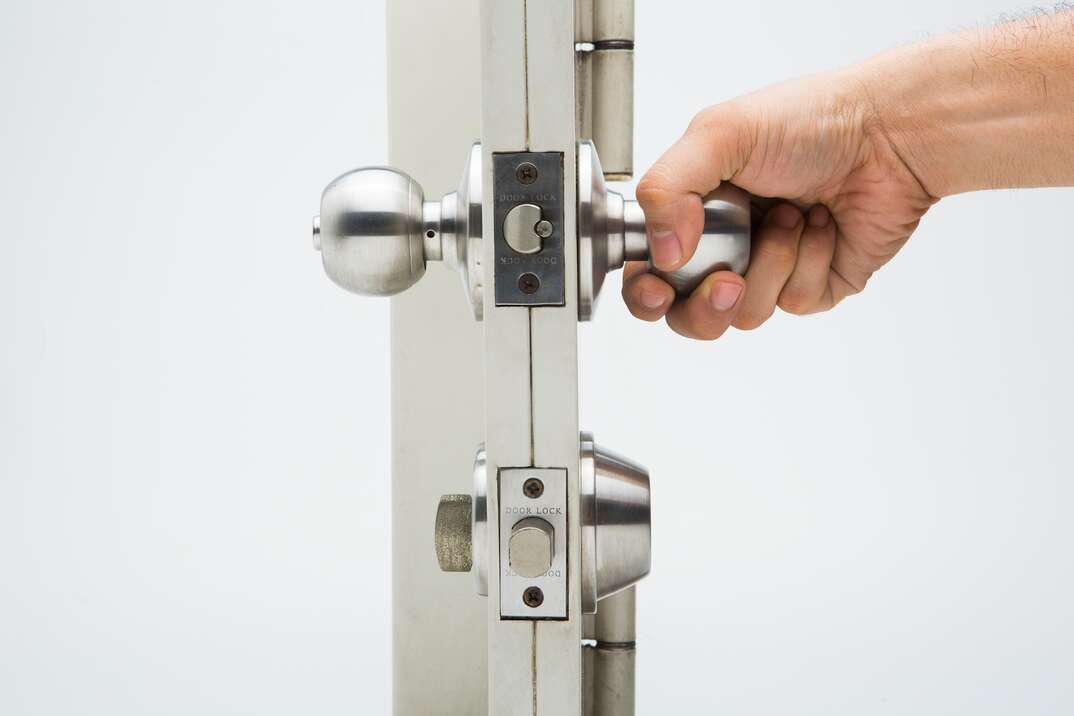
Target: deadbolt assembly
point(616, 550)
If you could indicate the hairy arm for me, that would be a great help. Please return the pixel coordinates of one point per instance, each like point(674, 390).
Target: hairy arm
point(987, 108)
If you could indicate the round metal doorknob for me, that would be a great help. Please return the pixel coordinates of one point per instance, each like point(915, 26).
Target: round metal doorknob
point(724, 244)
point(376, 232)
point(370, 231)
point(612, 232)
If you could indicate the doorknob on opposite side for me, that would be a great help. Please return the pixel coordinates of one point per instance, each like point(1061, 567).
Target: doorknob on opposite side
point(376, 232)
point(371, 231)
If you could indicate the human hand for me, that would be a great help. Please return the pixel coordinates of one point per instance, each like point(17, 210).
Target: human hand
point(848, 203)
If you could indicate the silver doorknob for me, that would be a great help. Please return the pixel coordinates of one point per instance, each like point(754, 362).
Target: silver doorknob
point(371, 231)
point(612, 232)
point(376, 231)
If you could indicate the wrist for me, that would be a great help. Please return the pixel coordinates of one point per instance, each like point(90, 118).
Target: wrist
point(910, 113)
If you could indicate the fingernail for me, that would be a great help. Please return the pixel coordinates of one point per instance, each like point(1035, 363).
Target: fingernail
point(651, 299)
point(786, 216)
point(819, 216)
point(665, 248)
point(724, 296)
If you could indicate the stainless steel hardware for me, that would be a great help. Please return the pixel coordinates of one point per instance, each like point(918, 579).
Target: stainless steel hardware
point(533, 534)
point(616, 523)
point(605, 81)
point(376, 232)
point(616, 532)
point(520, 228)
point(609, 660)
point(528, 269)
point(531, 547)
point(611, 231)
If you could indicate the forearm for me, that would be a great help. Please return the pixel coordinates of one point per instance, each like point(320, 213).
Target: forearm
point(981, 109)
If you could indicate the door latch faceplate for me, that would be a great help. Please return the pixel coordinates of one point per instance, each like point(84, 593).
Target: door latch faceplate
point(529, 277)
point(528, 496)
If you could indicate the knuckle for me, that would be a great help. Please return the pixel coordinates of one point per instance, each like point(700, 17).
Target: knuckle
point(749, 321)
point(782, 251)
point(647, 316)
point(733, 124)
point(639, 311)
point(705, 119)
point(842, 287)
point(688, 329)
point(796, 301)
point(653, 188)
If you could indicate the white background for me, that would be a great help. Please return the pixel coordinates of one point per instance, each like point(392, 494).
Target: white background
point(861, 512)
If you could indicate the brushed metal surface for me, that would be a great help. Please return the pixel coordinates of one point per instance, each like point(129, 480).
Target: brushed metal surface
point(515, 511)
point(531, 547)
point(376, 233)
point(520, 228)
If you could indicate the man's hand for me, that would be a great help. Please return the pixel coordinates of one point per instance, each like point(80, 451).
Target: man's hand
point(857, 157)
point(849, 203)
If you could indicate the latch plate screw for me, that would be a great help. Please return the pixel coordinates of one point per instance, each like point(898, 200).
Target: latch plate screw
point(533, 488)
point(526, 173)
point(533, 597)
point(528, 283)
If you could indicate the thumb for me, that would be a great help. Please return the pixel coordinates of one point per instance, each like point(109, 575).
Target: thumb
point(713, 149)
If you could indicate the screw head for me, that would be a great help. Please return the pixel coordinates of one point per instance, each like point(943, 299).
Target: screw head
point(533, 597)
point(533, 488)
point(526, 173)
point(543, 228)
point(528, 283)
